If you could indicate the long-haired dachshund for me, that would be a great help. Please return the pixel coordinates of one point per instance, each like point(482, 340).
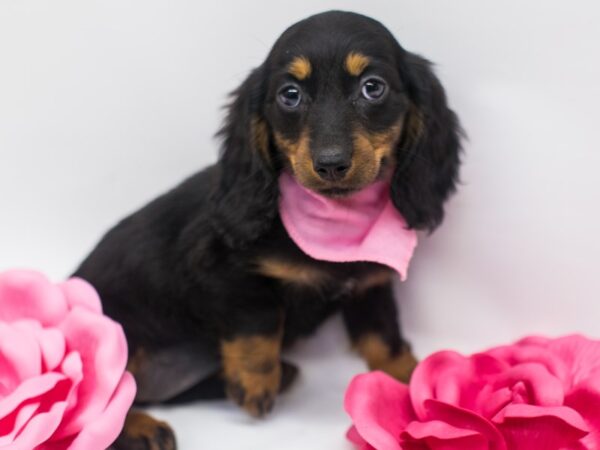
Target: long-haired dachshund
point(206, 281)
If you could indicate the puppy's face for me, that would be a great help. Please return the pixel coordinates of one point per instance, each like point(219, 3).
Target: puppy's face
point(335, 102)
point(339, 103)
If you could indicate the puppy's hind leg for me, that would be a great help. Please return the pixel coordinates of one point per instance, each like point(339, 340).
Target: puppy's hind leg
point(161, 374)
point(185, 373)
point(165, 373)
point(214, 387)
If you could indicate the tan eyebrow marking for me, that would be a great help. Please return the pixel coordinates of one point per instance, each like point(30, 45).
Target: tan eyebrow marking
point(355, 63)
point(300, 67)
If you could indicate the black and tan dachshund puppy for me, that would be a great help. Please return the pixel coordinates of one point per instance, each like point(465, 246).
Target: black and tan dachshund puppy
point(207, 275)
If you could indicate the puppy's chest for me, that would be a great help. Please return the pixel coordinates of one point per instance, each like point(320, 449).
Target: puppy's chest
point(332, 280)
point(278, 258)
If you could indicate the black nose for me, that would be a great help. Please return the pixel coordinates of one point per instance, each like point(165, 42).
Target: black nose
point(332, 164)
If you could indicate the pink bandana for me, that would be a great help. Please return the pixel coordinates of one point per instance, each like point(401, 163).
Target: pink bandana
point(362, 227)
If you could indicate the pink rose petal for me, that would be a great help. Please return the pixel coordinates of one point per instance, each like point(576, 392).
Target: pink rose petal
point(79, 292)
point(27, 390)
point(465, 419)
point(491, 401)
point(104, 429)
point(50, 341)
point(531, 350)
point(581, 355)
point(37, 417)
point(72, 367)
point(585, 399)
point(27, 294)
point(542, 387)
point(541, 427)
point(452, 378)
point(20, 356)
point(380, 408)
point(39, 428)
point(11, 425)
point(438, 435)
point(354, 437)
point(101, 344)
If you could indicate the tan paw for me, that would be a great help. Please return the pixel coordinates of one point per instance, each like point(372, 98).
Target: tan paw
point(255, 392)
point(400, 367)
point(142, 432)
point(252, 371)
point(379, 356)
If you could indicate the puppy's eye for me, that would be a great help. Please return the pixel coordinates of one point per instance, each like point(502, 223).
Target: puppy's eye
point(289, 96)
point(373, 89)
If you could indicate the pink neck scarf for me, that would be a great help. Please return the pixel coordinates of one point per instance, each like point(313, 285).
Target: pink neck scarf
point(362, 227)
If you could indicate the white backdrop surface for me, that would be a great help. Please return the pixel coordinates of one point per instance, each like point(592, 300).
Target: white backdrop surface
point(105, 104)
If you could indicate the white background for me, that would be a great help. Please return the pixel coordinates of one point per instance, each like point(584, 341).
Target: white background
point(105, 104)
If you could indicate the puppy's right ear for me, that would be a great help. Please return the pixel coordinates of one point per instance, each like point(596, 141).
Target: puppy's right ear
point(244, 200)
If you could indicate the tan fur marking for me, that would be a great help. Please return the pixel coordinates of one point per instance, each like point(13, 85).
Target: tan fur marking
point(414, 126)
point(300, 67)
point(135, 361)
point(289, 272)
point(374, 279)
point(370, 149)
point(251, 364)
point(141, 426)
point(298, 154)
point(377, 355)
point(260, 137)
point(356, 63)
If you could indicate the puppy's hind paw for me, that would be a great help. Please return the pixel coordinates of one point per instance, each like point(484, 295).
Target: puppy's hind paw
point(142, 432)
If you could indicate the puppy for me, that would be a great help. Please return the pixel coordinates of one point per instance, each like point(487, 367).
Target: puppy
point(206, 280)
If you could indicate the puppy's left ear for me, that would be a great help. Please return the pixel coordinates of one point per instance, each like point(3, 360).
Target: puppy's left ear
point(428, 155)
point(244, 201)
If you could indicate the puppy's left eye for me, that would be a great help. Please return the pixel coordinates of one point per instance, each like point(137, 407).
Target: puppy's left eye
point(373, 89)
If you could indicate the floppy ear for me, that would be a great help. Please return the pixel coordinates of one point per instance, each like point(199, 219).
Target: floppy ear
point(428, 154)
point(244, 200)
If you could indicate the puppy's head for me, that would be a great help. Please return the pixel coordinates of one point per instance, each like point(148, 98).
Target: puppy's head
point(340, 105)
point(335, 102)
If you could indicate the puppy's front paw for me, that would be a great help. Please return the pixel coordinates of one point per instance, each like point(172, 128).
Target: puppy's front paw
point(255, 391)
point(252, 371)
point(142, 432)
point(379, 356)
point(400, 366)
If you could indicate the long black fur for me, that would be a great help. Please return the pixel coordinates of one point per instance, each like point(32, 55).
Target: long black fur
point(244, 202)
point(430, 159)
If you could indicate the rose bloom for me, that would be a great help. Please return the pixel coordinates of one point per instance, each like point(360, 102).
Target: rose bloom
point(63, 383)
point(536, 394)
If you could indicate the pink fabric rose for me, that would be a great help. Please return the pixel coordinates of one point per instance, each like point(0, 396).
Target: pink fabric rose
point(536, 394)
point(63, 383)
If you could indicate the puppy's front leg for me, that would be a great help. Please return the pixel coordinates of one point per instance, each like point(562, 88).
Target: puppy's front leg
point(251, 363)
point(372, 322)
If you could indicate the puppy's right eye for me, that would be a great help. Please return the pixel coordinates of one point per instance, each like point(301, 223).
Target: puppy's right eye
point(289, 97)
